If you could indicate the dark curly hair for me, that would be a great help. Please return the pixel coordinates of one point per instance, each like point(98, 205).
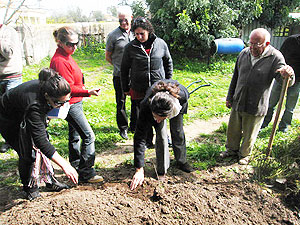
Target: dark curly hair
point(164, 95)
point(53, 84)
point(142, 23)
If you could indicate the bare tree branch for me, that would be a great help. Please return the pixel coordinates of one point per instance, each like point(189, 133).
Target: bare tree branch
point(13, 13)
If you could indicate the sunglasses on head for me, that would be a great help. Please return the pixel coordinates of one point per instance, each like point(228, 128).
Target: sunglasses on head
point(140, 20)
point(70, 44)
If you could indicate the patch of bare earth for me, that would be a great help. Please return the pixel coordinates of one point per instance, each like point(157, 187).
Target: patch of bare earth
point(221, 195)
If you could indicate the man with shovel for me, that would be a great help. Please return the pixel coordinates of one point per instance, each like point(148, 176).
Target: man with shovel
point(249, 91)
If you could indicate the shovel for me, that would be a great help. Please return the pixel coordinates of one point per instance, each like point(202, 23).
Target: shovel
point(282, 94)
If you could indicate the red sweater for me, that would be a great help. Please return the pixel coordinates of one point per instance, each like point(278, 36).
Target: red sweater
point(65, 65)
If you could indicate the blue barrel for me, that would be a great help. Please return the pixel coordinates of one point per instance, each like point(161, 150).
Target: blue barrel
point(227, 46)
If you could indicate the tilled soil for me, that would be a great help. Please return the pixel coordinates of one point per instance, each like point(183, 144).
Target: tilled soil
point(224, 194)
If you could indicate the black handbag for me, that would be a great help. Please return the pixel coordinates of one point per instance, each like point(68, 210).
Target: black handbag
point(25, 139)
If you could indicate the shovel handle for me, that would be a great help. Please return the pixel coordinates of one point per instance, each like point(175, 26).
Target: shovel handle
point(282, 94)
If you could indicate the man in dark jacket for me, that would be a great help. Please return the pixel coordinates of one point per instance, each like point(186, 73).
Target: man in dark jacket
point(291, 52)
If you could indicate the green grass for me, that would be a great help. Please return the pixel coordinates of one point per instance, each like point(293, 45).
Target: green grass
point(205, 103)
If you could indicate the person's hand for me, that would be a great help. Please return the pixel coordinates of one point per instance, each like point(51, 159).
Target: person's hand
point(95, 92)
point(228, 104)
point(127, 93)
point(71, 173)
point(286, 71)
point(138, 178)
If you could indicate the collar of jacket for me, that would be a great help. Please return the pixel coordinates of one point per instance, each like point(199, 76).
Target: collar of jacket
point(151, 39)
point(61, 51)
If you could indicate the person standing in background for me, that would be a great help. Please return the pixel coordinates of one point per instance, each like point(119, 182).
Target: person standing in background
point(81, 153)
point(116, 41)
point(249, 91)
point(146, 59)
point(11, 64)
point(291, 52)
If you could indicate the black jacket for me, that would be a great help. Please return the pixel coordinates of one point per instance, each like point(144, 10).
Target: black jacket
point(12, 108)
point(145, 69)
point(291, 52)
point(146, 120)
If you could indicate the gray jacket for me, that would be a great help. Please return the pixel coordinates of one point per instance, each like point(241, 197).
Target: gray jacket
point(249, 90)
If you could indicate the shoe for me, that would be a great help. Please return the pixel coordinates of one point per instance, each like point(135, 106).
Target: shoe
point(31, 193)
point(123, 134)
point(131, 129)
point(150, 145)
point(95, 179)
point(186, 167)
point(244, 161)
point(5, 147)
point(228, 153)
point(56, 186)
point(283, 130)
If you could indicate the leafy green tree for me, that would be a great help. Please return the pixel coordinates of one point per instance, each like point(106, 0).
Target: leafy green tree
point(138, 8)
point(189, 26)
point(247, 11)
point(275, 12)
point(97, 15)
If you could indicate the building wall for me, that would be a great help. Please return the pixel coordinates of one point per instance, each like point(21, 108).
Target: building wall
point(38, 41)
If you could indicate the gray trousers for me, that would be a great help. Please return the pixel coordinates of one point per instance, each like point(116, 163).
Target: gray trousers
point(178, 142)
point(244, 125)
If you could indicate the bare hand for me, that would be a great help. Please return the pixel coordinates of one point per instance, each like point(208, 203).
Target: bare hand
point(138, 178)
point(95, 92)
point(71, 173)
point(228, 104)
point(286, 71)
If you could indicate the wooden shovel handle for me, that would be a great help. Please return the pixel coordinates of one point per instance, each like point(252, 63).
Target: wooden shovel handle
point(282, 94)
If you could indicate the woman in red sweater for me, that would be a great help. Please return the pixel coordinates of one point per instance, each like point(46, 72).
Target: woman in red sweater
point(81, 152)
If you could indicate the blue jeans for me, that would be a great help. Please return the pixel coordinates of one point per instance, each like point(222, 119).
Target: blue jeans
point(5, 85)
point(291, 102)
point(81, 153)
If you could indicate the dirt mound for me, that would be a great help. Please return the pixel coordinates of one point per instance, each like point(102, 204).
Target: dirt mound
point(220, 196)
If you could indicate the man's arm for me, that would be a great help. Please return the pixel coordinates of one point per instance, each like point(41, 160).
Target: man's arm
point(108, 56)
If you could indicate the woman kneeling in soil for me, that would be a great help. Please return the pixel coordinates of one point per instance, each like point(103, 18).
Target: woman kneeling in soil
point(165, 99)
point(33, 100)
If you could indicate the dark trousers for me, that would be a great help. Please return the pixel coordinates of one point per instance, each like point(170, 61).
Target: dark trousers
point(122, 120)
point(81, 142)
point(10, 132)
point(150, 131)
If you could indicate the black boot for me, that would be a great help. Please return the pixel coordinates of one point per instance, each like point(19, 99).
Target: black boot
point(56, 185)
point(186, 167)
point(31, 193)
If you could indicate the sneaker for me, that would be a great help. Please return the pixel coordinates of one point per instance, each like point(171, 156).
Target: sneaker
point(5, 147)
point(123, 134)
point(56, 186)
point(244, 161)
point(186, 167)
point(31, 193)
point(95, 179)
point(227, 154)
